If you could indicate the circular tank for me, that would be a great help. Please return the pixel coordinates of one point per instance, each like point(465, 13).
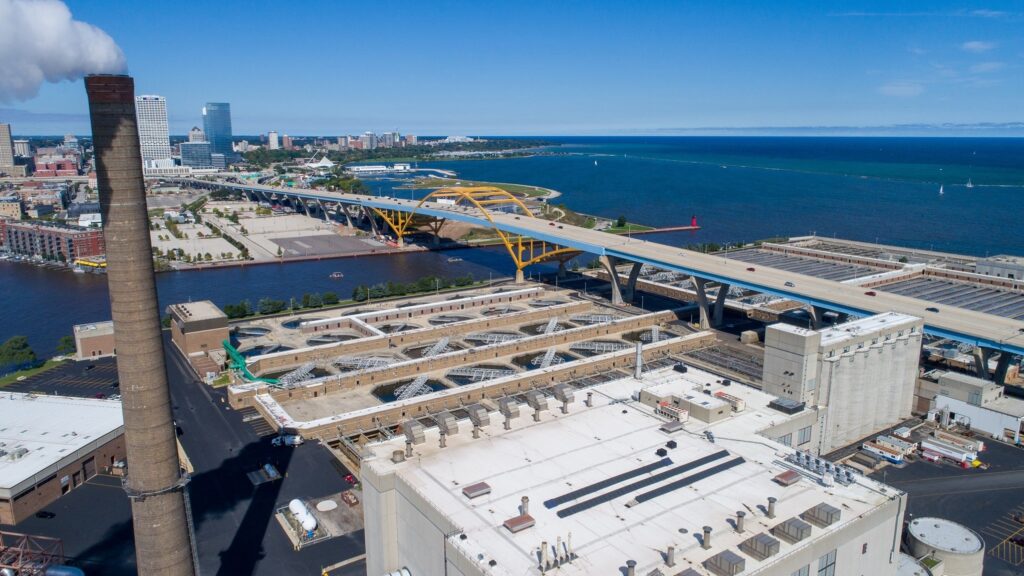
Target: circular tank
point(959, 548)
point(308, 522)
point(297, 507)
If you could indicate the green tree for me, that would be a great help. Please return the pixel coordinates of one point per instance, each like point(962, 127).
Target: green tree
point(621, 222)
point(66, 345)
point(359, 293)
point(270, 306)
point(16, 351)
point(330, 298)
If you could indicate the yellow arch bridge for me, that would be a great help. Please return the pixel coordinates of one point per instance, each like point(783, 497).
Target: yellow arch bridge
point(482, 199)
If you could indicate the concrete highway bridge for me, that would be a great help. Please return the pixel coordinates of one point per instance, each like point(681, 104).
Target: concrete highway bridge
point(529, 240)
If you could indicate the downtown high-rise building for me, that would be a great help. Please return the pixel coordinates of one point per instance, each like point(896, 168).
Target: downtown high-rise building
point(6, 149)
point(196, 135)
point(154, 140)
point(217, 127)
point(196, 154)
point(272, 143)
point(369, 140)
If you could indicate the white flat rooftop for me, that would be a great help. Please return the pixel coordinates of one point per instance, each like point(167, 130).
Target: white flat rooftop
point(39, 434)
point(548, 460)
point(856, 328)
point(95, 329)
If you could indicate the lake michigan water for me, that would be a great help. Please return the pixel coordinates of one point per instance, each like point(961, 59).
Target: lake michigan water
point(741, 189)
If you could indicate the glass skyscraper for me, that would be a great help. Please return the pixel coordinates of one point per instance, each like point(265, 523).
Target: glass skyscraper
point(217, 126)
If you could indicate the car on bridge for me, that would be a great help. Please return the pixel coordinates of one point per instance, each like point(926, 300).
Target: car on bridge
point(750, 269)
point(870, 293)
point(790, 284)
point(932, 309)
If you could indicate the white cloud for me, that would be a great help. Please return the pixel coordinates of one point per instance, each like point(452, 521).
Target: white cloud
point(984, 67)
point(901, 89)
point(41, 42)
point(985, 13)
point(977, 46)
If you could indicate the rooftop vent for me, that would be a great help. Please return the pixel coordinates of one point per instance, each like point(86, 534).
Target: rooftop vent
point(787, 478)
point(509, 408)
point(476, 490)
point(564, 394)
point(479, 416)
point(822, 515)
point(446, 424)
point(538, 401)
point(671, 427)
point(414, 432)
point(760, 546)
point(794, 530)
point(519, 523)
point(786, 405)
point(726, 563)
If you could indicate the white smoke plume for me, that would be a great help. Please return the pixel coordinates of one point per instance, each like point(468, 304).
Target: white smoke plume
point(40, 41)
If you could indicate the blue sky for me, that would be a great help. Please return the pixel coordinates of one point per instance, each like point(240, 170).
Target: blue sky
point(555, 67)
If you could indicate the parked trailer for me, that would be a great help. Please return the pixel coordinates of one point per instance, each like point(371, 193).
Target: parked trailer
point(947, 450)
point(901, 446)
point(973, 444)
point(894, 456)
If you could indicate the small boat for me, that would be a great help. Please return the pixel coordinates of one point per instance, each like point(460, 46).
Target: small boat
point(595, 162)
point(337, 275)
point(941, 192)
point(78, 270)
point(969, 183)
point(454, 259)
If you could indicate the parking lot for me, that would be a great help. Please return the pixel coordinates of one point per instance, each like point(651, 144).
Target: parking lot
point(86, 379)
point(983, 500)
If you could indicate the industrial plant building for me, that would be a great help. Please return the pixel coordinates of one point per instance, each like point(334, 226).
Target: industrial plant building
point(604, 480)
point(94, 340)
point(198, 329)
point(859, 375)
point(979, 405)
point(50, 445)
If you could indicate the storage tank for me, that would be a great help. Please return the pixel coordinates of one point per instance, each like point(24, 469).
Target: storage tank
point(297, 507)
point(960, 549)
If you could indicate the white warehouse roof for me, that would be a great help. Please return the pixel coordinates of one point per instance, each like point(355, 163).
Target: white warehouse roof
point(40, 434)
point(553, 460)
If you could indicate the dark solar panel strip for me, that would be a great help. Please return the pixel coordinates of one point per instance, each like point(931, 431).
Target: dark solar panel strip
point(558, 501)
point(688, 480)
point(622, 491)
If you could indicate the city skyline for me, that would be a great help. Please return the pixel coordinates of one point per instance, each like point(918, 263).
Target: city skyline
point(595, 69)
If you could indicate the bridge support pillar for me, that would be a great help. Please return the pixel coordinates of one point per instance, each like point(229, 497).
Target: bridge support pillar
point(561, 269)
point(1002, 367)
point(609, 263)
point(719, 311)
point(630, 291)
point(519, 276)
point(373, 221)
point(981, 357)
point(817, 314)
point(702, 302)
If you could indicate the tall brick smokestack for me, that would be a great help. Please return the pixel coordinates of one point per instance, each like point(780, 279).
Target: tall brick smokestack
point(154, 483)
